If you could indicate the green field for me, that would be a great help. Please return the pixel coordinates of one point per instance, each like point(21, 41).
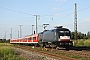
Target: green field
point(7, 53)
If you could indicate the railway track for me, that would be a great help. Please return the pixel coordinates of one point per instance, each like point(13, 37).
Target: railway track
point(84, 54)
point(77, 51)
point(57, 54)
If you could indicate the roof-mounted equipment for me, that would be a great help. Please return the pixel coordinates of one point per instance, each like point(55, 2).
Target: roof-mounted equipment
point(58, 26)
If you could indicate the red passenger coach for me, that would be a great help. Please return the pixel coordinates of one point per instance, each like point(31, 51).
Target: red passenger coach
point(28, 39)
point(17, 40)
point(35, 38)
point(32, 39)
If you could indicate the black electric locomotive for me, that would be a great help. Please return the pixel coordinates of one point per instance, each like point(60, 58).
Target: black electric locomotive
point(57, 37)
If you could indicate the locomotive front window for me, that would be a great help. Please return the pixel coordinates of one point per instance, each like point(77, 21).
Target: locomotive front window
point(64, 33)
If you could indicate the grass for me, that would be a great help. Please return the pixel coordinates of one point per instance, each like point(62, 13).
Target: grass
point(82, 42)
point(87, 42)
point(74, 56)
point(7, 53)
point(5, 44)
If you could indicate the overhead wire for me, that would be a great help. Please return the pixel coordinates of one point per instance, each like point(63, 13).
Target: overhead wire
point(15, 11)
point(68, 14)
point(24, 12)
point(43, 15)
point(52, 16)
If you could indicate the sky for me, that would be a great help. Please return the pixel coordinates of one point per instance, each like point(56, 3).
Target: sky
point(14, 13)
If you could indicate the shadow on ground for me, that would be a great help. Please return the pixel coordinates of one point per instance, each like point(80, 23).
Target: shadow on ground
point(79, 48)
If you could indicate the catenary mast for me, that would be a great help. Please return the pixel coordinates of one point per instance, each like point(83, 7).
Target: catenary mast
point(75, 22)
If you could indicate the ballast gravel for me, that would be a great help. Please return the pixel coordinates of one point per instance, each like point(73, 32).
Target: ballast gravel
point(29, 55)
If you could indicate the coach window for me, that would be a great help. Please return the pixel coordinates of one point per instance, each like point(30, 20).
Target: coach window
point(34, 38)
point(26, 39)
point(29, 38)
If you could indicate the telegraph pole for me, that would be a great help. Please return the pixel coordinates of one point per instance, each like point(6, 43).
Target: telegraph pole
point(20, 31)
point(75, 22)
point(5, 37)
point(18, 34)
point(36, 22)
point(32, 29)
point(11, 33)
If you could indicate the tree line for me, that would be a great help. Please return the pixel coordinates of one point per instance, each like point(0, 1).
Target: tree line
point(4, 41)
point(80, 35)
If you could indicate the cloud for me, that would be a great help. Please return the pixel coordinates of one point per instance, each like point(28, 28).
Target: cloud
point(58, 15)
point(87, 19)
